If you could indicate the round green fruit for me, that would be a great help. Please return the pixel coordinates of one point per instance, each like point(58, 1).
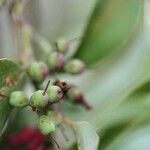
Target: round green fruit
point(18, 99)
point(62, 45)
point(75, 66)
point(55, 61)
point(45, 125)
point(54, 93)
point(55, 117)
point(73, 93)
point(38, 71)
point(39, 99)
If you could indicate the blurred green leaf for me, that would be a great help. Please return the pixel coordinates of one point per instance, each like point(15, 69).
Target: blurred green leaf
point(111, 28)
point(133, 139)
point(110, 134)
point(123, 118)
point(112, 122)
point(127, 112)
point(11, 76)
point(1, 2)
point(87, 138)
point(5, 110)
point(29, 118)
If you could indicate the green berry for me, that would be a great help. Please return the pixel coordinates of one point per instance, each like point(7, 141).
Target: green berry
point(38, 71)
point(62, 45)
point(76, 96)
point(55, 117)
point(54, 93)
point(45, 125)
point(55, 61)
point(38, 99)
point(18, 99)
point(73, 93)
point(75, 66)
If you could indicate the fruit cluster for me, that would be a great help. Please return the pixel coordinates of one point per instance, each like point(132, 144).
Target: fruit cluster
point(55, 62)
point(43, 100)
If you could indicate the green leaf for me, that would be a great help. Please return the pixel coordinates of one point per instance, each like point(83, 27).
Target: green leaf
point(29, 118)
point(122, 114)
point(111, 27)
point(5, 110)
point(87, 138)
point(1, 2)
point(129, 115)
point(137, 139)
point(11, 77)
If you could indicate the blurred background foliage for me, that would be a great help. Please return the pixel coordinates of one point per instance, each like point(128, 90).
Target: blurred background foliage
point(115, 46)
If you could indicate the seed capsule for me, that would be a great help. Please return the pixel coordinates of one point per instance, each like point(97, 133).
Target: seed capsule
point(54, 93)
point(62, 45)
point(38, 99)
point(18, 99)
point(45, 125)
point(55, 61)
point(38, 71)
point(75, 66)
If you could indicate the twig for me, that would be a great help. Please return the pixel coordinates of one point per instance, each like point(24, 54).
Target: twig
point(55, 142)
point(45, 90)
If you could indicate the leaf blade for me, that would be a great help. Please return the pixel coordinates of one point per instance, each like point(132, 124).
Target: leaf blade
point(87, 137)
point(11, 76)
point(111, 27)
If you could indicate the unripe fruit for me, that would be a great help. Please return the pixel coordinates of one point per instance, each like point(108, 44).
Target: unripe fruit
point(75, 66)
point(76, 96)
point(55, 61)
point(39, 99)
point(62, 45)
point(45, 125)
point(54, 93)
point(18, 99)
point(38, 71)
point(74, 93)
point(56, 117)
